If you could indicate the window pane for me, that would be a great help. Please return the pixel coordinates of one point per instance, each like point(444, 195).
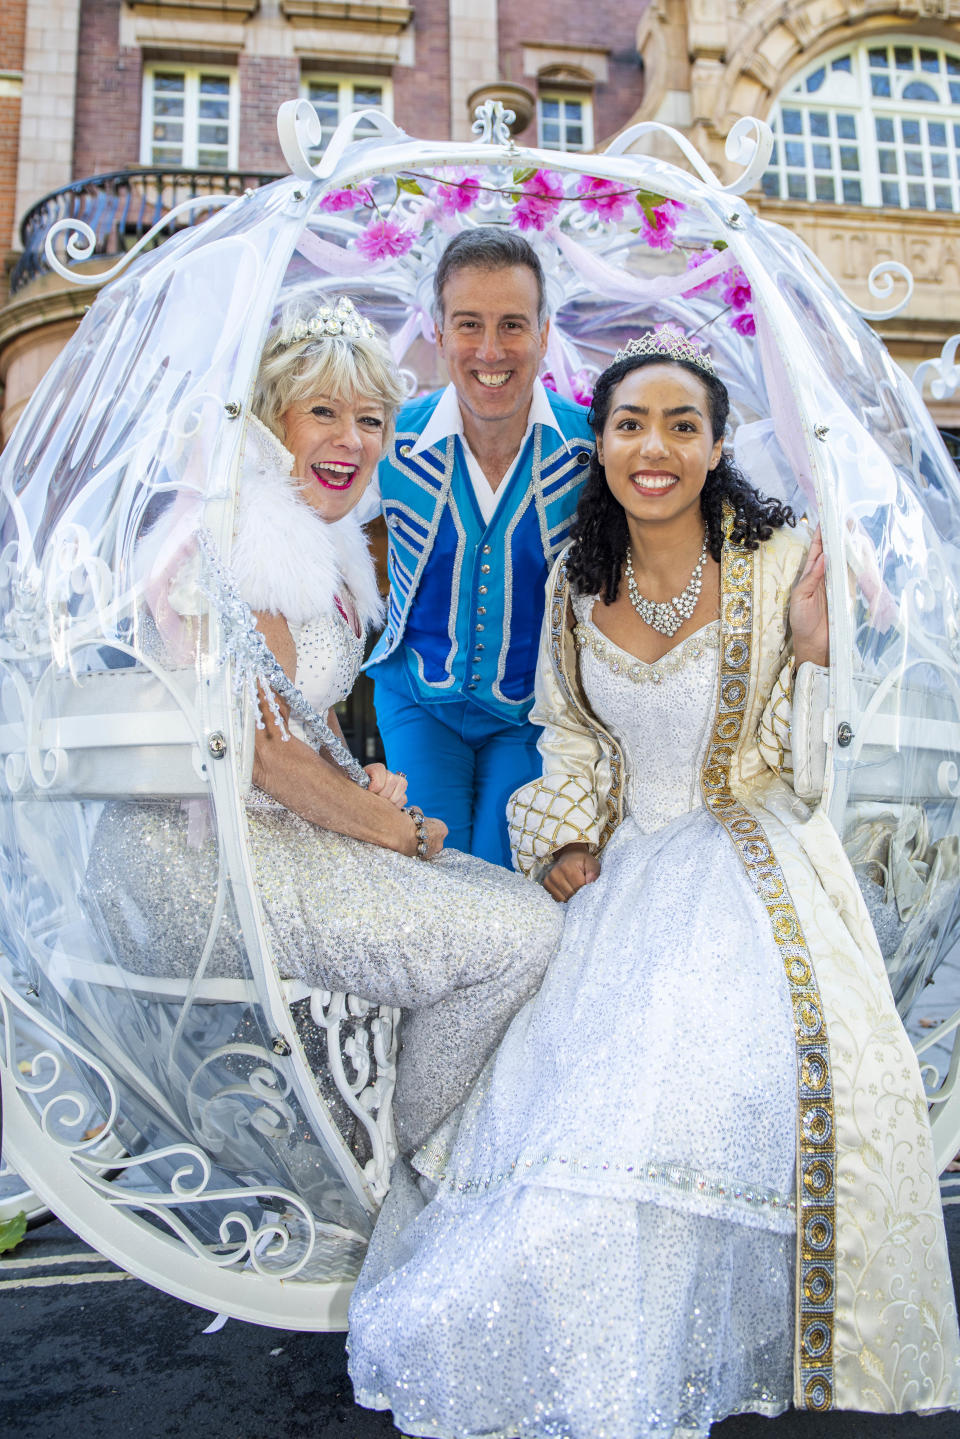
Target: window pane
point(942, 199)
point(551, 135)
point(825, 188)
point(213, 134)
point(914, 162)
point(844, 63)
point(903, 55)
point(214, 84)
point(917, 90)
point(550, 109)
point(771, 185)
point(954, 92)
point(849, 157)
point(880, 84)
point(774, 154)
point(169, 131)
point(910, 130)
point(885, 129)
point(822, 159)
point(953, 65)
point(815, 80)
point(365, 96)
point(322, 93)
point(890, 192)
point(575, 137)
point(888, 162)
point(166, 155)
point(846, 127)
point(852, 192)
point(929, 60)
point(168, 104)
point(819, 123)
point(879, 60)
point(796, 152)
point(940, 166)
point(956, 136)
point(163, 81)
point(936, 133)
point(214, 109)
point(212, 159)
point(797, 187)
point(917, 197)
point(792, 122)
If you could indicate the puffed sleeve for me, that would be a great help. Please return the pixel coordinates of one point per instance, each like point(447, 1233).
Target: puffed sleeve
point(562, 806)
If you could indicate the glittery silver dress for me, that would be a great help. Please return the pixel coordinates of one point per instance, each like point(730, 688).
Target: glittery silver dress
point(457, 943)
point(610, 1247)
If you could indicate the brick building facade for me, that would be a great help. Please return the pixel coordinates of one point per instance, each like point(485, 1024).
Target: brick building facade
point(89, 87)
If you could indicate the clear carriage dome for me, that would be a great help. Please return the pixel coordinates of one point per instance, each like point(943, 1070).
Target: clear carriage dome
point(221, 1131)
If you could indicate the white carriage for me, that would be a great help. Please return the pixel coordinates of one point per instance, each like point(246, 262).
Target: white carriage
point(222, 1133)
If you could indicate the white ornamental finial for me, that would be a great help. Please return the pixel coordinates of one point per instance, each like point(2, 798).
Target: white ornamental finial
point(493, 122)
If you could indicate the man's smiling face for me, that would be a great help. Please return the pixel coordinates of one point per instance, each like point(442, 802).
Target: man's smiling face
point(491, 339)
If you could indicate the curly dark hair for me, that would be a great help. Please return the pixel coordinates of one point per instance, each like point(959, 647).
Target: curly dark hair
point(599, 531)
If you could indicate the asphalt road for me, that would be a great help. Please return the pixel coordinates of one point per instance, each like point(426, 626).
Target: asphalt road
point(90, 1353)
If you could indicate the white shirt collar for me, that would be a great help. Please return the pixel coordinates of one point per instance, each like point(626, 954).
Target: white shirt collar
point(447, 420)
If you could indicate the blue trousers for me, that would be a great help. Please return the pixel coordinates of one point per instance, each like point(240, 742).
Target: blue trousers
point(462, 763)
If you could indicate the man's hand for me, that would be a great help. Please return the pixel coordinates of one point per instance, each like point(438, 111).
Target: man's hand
point(573, 867)
point(387, 784)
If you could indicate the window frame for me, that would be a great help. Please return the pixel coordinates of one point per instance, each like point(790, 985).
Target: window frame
point(347, 83)
point(868, 110)
point(565, 97)
point(191, 118)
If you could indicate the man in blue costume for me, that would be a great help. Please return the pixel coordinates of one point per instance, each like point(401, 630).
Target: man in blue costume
point(479, 490)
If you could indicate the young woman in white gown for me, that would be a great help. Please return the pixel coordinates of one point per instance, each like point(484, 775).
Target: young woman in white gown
point(696, 1179)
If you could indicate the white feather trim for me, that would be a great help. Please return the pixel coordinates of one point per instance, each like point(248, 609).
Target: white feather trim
point(286, 559)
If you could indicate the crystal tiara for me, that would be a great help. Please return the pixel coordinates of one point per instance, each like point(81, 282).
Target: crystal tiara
point(667, 344)
point(343, 319)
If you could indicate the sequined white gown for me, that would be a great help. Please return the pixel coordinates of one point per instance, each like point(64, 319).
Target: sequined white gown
point(610, 1248)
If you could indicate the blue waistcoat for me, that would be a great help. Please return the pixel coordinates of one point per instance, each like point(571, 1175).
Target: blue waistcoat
point(466, 598)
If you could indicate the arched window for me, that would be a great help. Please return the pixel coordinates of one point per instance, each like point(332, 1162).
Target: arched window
point(871, 124)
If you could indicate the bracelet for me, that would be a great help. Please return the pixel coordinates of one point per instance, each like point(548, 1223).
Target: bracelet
point(416, 814)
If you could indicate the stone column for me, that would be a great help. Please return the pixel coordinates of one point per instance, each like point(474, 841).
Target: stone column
point(45, 155)
point(474, 59)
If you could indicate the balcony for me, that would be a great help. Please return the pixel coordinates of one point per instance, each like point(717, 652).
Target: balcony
point(120, 208)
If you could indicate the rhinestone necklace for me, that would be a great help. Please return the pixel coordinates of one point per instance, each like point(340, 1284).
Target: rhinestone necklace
point(667, 616)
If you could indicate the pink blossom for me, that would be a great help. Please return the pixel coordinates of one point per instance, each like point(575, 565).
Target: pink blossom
point(702, 257)
point(581, 386)
point(383, 240)
point(548, 380)
point(736, 289)
point(457, 190)
point(605, 198)
point(540, 198)
point(744, 323)
point(657, 228)
point(347, 199)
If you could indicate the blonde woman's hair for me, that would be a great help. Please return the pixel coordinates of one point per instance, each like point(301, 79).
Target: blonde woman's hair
point(293, 370)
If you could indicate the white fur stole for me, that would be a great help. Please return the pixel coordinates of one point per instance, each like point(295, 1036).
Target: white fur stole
point(286, 559)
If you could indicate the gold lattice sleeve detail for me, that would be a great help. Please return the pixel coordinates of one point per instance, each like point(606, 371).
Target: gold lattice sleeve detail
point(548, 813)
point(773, 735)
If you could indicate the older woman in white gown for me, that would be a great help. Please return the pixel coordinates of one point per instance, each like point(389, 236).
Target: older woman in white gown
point(356, 890)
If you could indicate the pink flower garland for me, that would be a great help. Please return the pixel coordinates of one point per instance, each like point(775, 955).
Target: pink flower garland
point(603, 198)
point(539, 203)
point(383, 240)
point(457, 190)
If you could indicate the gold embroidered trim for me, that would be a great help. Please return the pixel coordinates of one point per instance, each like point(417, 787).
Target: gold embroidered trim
point(816, 1142)
point(587, 636)
point(558, 616)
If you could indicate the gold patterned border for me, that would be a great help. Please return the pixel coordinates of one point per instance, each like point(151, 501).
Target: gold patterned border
point(816, 1142)
point(559, 601)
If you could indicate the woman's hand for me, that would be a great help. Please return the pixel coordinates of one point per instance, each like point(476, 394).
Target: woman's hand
point(573, 867)
point(436, 832)
point(387, 784)
point(808, 608)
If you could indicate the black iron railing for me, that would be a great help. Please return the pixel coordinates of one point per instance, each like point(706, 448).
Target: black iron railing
point(121, 208)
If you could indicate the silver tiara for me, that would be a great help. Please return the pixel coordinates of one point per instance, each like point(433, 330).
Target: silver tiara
point(343, 319)
point(667, 344)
